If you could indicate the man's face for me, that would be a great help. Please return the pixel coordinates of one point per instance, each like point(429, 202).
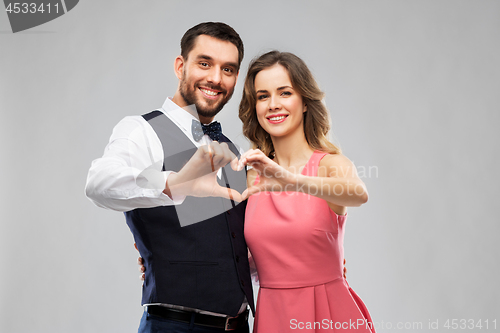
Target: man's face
point(209, 75)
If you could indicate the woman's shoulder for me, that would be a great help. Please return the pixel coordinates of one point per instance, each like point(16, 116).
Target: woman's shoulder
point(336, 165)
point(337, 158)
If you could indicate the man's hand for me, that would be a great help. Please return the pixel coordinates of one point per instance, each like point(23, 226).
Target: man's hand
point(198, 177)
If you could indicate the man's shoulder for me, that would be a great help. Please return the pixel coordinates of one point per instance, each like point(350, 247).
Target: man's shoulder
point(152, 114)
point(132, 127)
point(131, 123)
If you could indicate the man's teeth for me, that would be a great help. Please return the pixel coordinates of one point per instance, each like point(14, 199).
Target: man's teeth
point(209, 92)
point(277, 118)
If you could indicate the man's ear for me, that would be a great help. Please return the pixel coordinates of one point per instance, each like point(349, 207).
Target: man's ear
point(179, 66)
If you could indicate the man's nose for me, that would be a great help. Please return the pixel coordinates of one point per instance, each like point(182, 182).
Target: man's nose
point(215, 75)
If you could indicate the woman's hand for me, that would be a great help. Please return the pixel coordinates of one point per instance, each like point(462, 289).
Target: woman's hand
point(337, 181)
point(272, 177)
point(140, 262)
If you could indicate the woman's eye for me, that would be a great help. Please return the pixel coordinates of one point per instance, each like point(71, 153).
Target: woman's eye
point(260, 97)
point(286, 93)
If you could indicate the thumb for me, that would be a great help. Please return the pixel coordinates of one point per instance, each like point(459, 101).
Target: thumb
point(235, 164)
point(251, 191)
point(227, 193)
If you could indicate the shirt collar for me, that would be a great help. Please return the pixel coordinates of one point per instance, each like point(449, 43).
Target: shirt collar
point(181, 117)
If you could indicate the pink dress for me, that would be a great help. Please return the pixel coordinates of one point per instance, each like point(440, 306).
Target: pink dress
point(297, 244)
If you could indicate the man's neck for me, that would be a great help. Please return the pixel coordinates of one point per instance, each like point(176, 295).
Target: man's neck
point(179, 100)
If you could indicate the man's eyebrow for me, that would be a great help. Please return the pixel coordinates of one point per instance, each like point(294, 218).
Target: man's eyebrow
point(232, 64)
point(203, 56)
point(207, 57)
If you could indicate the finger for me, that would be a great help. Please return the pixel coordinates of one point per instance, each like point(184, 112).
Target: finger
point(257, 156)
point(203, 165)
point(244, 157)
point(257, 167)
point(227, 153)
point(256, 161)
point(234, 195)
point(210, 156)
point(251, 191)
point(142, 269)
point(142, 277)
point(135, 245)
point(235, 164)
point(227, 193)
point(245, 195)
point(222, 155)
point(140, 261)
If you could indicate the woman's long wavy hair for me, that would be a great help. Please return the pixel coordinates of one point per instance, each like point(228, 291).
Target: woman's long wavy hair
point(316, 118)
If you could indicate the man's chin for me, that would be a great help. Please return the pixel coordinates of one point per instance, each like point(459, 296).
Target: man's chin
point(207, 114)
point(209, 111)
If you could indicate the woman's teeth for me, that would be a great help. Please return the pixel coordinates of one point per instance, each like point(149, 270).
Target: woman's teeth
point(277, 118)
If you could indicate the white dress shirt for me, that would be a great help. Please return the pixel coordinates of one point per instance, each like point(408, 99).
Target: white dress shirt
point(129, 175)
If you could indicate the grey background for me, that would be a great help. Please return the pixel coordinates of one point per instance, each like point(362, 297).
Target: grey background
point(412, 87)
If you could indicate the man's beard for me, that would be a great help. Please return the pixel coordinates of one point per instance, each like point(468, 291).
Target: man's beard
point(210, 110)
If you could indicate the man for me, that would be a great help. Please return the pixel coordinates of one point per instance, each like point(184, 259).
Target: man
point(171, 177)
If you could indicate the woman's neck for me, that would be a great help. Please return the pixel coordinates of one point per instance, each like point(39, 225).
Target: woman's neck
point(291, 151)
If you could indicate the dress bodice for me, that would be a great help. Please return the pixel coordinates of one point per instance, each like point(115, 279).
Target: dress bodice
point(295, 238)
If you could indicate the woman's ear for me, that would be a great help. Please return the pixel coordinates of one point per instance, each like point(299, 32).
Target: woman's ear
point(305, 108)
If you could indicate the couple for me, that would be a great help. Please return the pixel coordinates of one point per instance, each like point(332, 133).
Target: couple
point(179, 184)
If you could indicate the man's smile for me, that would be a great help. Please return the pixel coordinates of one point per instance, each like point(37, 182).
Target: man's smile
point(209, 93)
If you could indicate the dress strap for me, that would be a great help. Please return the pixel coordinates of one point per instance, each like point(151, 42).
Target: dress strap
point(311, 167)
point(257, 179)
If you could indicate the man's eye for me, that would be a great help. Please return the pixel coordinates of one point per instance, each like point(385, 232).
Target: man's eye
point(204, 64)
point(228, 70)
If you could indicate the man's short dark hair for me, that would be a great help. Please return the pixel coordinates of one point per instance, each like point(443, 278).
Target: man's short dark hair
point(217, 30)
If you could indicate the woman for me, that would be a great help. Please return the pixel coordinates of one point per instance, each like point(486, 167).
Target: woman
point(298, 189)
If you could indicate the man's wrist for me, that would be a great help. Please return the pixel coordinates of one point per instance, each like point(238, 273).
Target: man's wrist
point(170, 178)
point(175, 191)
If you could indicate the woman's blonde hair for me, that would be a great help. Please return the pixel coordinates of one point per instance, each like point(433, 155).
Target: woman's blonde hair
point(316, 119)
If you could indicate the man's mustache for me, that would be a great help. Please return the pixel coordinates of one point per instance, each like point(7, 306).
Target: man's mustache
point(212, 86)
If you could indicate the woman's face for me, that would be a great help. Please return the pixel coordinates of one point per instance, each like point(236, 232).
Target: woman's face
point(279, 107)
